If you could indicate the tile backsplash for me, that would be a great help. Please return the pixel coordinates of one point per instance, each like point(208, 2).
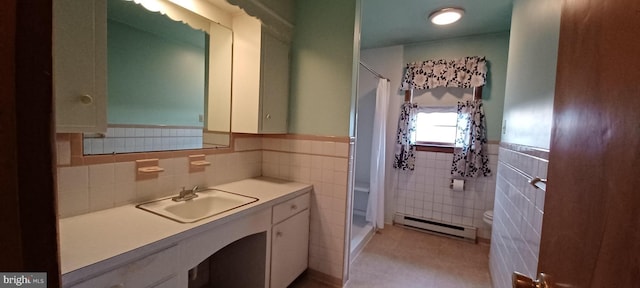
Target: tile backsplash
point(88, 188)
point(517, 220)
point(425, 192)
point(138, 139)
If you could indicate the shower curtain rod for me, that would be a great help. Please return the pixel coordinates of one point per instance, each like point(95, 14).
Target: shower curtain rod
point(373, 71)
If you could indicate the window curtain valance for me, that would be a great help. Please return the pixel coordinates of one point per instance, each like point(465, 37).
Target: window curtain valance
point(467, 72)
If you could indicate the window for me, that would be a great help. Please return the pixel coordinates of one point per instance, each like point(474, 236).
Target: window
point(436, 126)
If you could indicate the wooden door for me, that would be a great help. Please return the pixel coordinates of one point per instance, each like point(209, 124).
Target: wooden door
point(591, 226)
point(28, 222)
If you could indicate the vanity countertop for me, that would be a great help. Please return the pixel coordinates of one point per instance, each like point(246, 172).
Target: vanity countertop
point(105, 236)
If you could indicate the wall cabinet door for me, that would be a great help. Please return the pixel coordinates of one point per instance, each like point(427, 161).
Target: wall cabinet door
point(289, 249)
point(260, 79)
point(79, 65)
point(274, 90)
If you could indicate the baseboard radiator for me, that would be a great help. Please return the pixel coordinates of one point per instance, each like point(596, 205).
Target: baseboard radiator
point(436, 227)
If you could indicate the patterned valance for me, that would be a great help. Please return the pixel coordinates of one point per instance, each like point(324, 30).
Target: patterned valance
point(467, 72)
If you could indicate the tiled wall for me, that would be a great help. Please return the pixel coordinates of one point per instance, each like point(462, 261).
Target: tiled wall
point(518, 215)
point(137, 139)
point(425, 192)
point(88, 188)
point(324, 164)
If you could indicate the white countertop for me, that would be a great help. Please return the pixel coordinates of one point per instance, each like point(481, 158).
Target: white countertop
point(104, 236)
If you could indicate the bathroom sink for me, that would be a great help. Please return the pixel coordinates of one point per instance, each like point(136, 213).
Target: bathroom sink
point(209, 203)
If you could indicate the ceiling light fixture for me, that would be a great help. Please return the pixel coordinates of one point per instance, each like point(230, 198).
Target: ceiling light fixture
point(446, 16)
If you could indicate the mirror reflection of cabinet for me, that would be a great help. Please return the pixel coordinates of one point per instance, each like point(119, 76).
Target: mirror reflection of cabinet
point(260, 79)
point(79, 65)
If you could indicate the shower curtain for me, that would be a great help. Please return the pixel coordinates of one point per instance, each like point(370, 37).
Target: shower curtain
point(375, 206)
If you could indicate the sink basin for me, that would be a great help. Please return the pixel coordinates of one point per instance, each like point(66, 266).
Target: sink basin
point(209, 203)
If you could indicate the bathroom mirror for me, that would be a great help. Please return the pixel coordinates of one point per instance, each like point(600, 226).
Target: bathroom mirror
point(168, 80)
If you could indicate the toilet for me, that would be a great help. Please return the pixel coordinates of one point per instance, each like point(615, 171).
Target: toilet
point(487, 217)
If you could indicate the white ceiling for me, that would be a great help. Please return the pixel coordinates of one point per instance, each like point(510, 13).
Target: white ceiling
point(397, 22)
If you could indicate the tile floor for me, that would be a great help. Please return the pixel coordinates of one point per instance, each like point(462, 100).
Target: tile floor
point(399, 257)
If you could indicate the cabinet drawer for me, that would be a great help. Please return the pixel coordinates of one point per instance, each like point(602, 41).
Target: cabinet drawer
point(287, 209)
point(145, 272)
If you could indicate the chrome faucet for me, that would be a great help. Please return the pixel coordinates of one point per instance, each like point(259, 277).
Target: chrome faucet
point(186, 195)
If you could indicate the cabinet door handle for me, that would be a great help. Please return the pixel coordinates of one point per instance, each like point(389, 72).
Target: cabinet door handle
point(294, 206)
point(268, 116)
point(278, 234)
point(86, 99)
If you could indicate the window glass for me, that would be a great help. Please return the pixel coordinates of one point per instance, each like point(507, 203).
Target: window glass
point(436, 126)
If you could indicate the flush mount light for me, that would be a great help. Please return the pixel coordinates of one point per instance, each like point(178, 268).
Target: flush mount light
point(446, 16)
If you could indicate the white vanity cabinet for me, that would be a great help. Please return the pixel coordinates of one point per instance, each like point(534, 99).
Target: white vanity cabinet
point(260, 79)
point(156, 270)
point(289, 241)
point(79, 65)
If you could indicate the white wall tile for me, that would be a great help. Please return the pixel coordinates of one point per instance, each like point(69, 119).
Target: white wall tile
point(86, 147)
point(341, 149)
point(124, 193)
point(328, 148)
point(110, 132)
point(101, 175)
point(131, 132)
point(517, 217)
point(304, 146)
point(73, 178)
point(317, 147)
point(101, 197)
point(430, 182)
point(73, 202)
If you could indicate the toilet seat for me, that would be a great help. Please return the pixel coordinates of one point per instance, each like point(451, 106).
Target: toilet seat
point(487, 217)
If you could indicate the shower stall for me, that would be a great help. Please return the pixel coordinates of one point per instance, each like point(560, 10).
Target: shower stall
point(372, 104)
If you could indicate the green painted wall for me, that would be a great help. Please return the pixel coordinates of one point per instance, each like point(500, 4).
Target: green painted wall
point(531, 77)
point(322, 67)
point(495, 47)
point(154, 80)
